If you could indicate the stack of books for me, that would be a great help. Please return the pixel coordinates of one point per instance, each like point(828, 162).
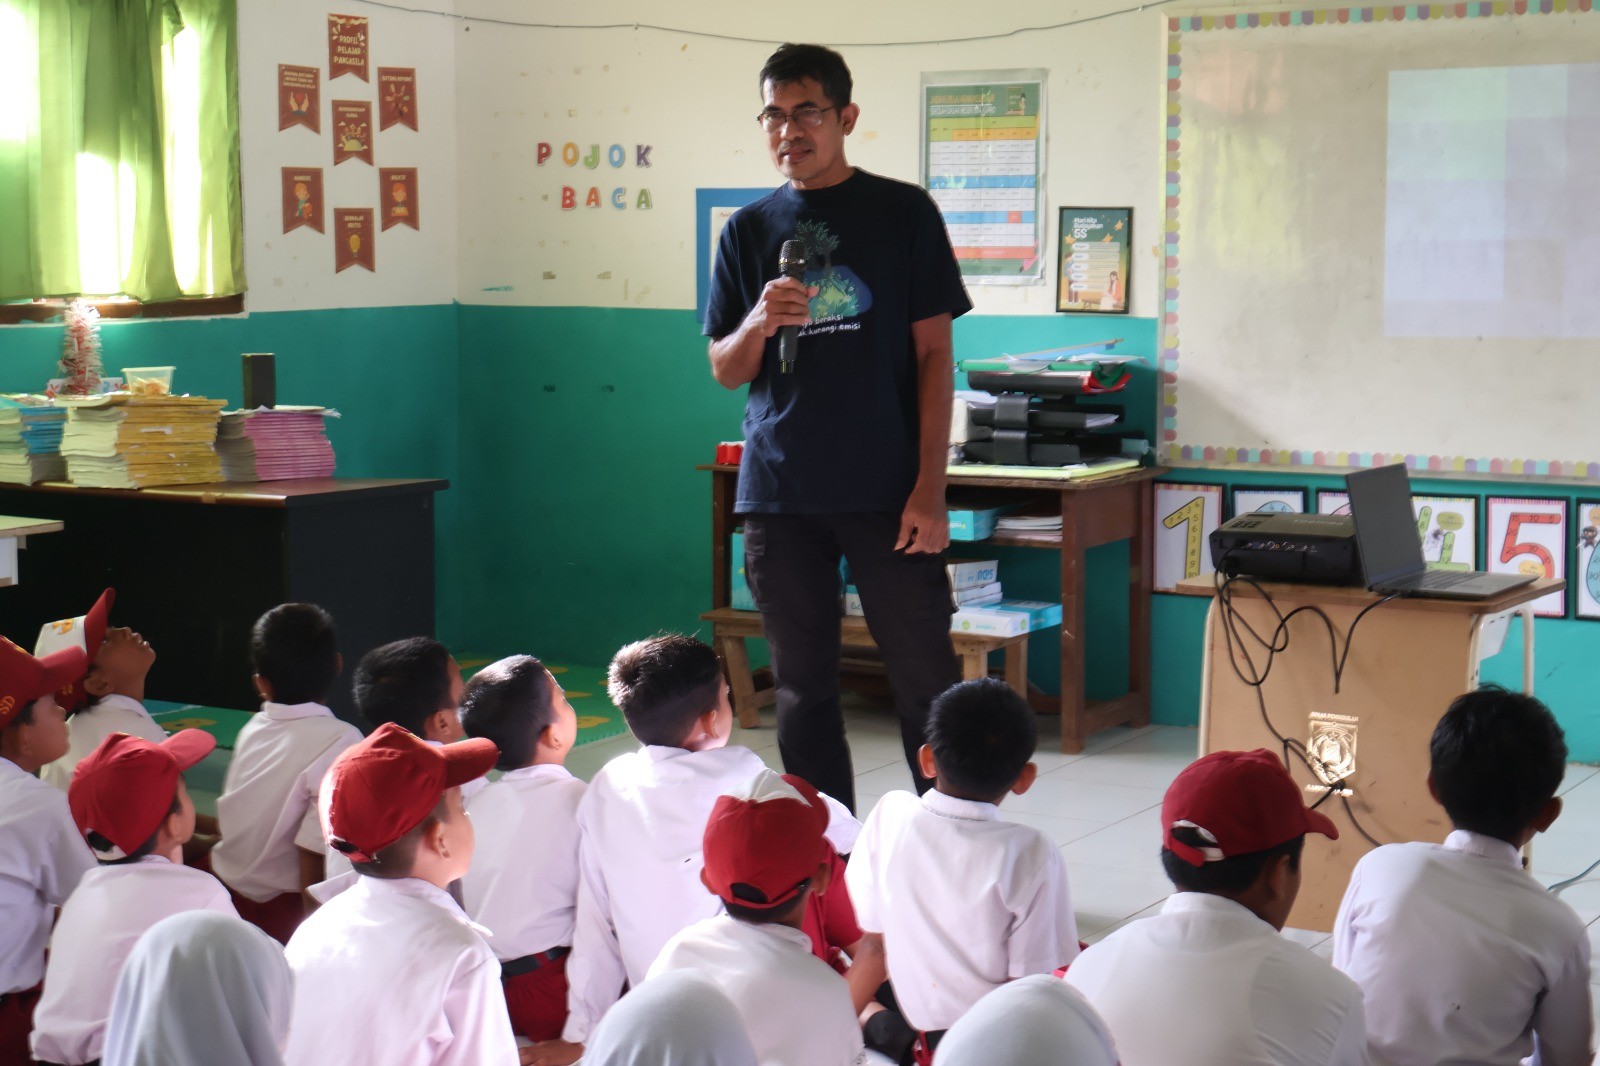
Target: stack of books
point(274, 444)
point(30, 440)
point(973, 583)
point(134, 442)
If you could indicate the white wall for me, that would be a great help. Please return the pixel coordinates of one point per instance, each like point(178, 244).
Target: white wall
point(694, 99)
point(294, 271)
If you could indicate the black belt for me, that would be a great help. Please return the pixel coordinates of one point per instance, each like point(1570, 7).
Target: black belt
point(529, 963)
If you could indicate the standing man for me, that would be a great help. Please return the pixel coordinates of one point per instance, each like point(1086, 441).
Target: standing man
point(844, 454)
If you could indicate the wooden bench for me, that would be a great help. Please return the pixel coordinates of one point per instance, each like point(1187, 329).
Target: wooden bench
point(731, 628)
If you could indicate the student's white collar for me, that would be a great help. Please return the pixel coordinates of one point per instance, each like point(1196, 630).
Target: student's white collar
point(530, 773)
point(1485, 847)
point(416, 888)
point(284, 712)
point(961, 809)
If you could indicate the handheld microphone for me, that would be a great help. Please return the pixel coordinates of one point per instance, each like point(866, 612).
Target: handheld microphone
point(791, 264)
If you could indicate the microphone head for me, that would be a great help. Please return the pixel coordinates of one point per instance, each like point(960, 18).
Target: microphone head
point(792, 259)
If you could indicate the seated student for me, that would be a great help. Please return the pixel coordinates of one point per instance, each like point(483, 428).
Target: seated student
point(642, 820)
point(765, 850)
point(965, 900)
point(110, 697)
point(677, 1019)
point(523, 885)
point(414, 683)
point(1462, 955)
point(392, 970)
point(42, 854)
point(1033, 1021)
point(1208, 981)
point(201, 989)
point(271, 847)
point(129, 801)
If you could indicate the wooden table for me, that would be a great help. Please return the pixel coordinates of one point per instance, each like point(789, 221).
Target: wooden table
point(1104, 511)
point(195, 565)
point(14, 534)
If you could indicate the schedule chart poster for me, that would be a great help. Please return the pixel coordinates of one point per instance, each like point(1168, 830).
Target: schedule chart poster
point(983, 164)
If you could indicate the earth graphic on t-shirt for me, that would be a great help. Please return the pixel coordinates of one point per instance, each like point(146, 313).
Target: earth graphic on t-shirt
point(840, 292)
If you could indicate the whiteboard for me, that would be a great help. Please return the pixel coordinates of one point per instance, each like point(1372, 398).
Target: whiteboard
point(1383, 242)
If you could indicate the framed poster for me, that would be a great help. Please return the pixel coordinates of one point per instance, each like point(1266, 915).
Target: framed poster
point(712, 209)
point(1185, 515)
point(1448, 526)
point(1093, 260)
point(1586, 560)
point(1333, 501)
point(1529, 536)
point(1258, 498)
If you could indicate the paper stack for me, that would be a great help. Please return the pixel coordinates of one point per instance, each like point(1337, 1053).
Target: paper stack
point(30, 440)
point(273, 444)
point(134, 442)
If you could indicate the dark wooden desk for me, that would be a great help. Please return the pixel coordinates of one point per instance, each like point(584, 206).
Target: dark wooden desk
point(195, 565)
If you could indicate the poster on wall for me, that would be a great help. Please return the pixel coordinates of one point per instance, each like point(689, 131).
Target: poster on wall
point(1095, 260)
point(1261, 499)
point(397, 193)
point(352, 131)
point(1333, 501)
point(1185, 515)
point(397, 97)
point(347, 46)
point(352, 238)
point(1529, 536)
point(712, 209)
point(1586, 560)
point(302, 198)
point(299, 97)
point(983, 164)
point(1448, 526)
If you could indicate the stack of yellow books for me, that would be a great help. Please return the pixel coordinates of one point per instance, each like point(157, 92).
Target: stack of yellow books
point(133, 442)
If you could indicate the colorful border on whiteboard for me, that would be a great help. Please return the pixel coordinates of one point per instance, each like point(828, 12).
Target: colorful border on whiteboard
point(1170, 347)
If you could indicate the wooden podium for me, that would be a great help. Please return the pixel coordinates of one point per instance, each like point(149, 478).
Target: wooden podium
point(1408, 659)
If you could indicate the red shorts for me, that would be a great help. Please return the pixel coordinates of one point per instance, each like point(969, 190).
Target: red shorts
point(537, 1001)
point(277, 917)
point(16, 1024)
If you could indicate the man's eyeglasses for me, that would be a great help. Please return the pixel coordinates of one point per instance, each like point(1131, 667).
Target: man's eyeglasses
point(772, 120)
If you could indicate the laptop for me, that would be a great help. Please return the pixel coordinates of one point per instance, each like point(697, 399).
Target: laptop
point(1391, 546)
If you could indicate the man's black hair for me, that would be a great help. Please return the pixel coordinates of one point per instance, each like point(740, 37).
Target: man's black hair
point(662, 685)
point(510, 702)
point(982, 734)
point(764, 915)
point(404, 682)
point(400, 858)
point(1225, 877)
point(795, 62)
point(295, 648)
point(100, 843)
point(1497, 758)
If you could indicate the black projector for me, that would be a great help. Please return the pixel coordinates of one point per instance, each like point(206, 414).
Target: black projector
point(1282, 546)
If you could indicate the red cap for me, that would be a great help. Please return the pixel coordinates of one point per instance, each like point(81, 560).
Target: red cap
point(769, 836)
point(1240, 801)
point(24, 678)
point(123, 789)
point(382, 788)
point(87, 632)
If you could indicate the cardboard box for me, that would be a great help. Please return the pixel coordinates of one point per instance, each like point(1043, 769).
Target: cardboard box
point(969, 573)
point(1008, 618)
point(741, 599)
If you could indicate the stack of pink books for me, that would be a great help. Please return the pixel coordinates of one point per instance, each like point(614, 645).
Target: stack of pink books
point(275, 444)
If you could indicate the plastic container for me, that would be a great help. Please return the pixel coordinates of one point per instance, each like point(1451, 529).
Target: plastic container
point(148, 380)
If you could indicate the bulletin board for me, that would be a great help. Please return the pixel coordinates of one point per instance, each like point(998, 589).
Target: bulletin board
point(1381, 239)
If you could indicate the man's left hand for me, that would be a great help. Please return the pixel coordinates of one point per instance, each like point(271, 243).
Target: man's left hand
point(925, 524)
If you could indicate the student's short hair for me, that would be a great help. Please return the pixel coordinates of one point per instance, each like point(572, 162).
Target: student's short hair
point(662, 685)
point(982, 733)
point(400, 858)
point(511, 703)
point(100, 843)
point(766, 915)
point(794, 62)
point(1225, 877)
point(1497, 757)
point(295, 648)
point(404, 682)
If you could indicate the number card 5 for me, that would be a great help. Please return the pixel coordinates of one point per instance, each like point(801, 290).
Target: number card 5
point(1185, 515)
point(1529, 536)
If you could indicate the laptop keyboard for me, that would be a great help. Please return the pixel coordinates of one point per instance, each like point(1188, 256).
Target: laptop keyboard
point(1441, 579)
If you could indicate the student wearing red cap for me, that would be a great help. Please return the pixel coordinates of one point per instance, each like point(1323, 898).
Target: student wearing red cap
point(1208, 981)
point(42, 855)
point(110, 698)
point(392, 970)
point(766, 850)
point(129, 802)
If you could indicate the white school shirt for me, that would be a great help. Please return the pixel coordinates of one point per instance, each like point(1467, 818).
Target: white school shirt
point(88, 727)
point(394, 972)
point(1207, 983)
point(111, 909)
point(642, 821)
point(1464, 957)
point(268, 807)
point(965, 901)
point(796, 1008)
point(523, 885)
point(42, 858)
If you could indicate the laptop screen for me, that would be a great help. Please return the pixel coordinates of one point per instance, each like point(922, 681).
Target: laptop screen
point(1386, 527)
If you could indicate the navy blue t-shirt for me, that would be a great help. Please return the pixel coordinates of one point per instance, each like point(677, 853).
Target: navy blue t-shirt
point(839, 433)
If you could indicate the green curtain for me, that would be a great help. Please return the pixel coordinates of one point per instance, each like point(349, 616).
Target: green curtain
point(100, 92)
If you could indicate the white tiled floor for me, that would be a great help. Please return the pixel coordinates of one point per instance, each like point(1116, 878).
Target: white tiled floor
point(1102, 809)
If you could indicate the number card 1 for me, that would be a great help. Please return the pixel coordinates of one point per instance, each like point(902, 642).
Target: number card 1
point(1185, 515)
point(1529, 536)
point(1586, 564)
